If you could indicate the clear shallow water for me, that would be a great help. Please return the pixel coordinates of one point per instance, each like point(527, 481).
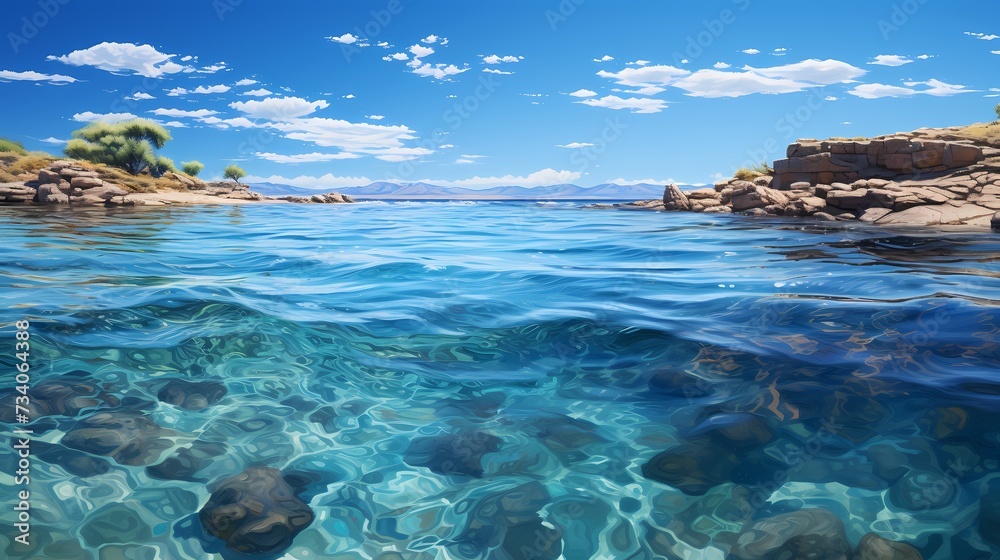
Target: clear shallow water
point(494, 380)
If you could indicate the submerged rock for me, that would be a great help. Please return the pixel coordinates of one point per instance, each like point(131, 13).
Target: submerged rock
point(452, 453)
point(75, 462)
point(693, 468)
point(989, 512)
point(255, 512)
point(129, 438)
point(192, 395)
point(874, 547)
point(808, 534)
point(921, 490)
point(187, 462)
point(59, 398)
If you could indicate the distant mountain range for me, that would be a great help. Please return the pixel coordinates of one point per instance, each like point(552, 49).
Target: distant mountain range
point(424, 191)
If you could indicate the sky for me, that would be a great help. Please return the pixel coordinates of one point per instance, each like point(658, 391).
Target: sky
point(323, 94)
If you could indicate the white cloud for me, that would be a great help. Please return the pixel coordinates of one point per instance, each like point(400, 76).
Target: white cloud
point(575, 145)
point(983, 36)
point(187, 58)
point(262, 92)
point(583, 93)
point(994, 52)
point(345, 39)
point(210, 69)
point(645, 76)
point(349, 96)
point(305, 158)
point(714, 84)
point(830, 98)
point(383, 44)
point(125, 58)
point(438, 71)
point(822, 72)
point(175, 124)
point(396, 56)
point(605, 58)
point(623, 181)
point(536, 179)
point(467, 156)
point(140, 96)
point(890, 60)
point(779, 52)
point(245, 82)
point(420, 51)
point(364, 138)
point(112, 118)
point(934, 88)
point(430, 39)
point(53, 140)
point(328, 181)
point(32, 76)
point(635, 104)
point(375, 117)
point(721, 65)
point(495, 71)
point(750, 51)
point(181, 113)
point(497, 59)
point(446, 146)
point(639, 62)
point(926, 56)
point(279, 108)
point(463, 160)
point(201, 90)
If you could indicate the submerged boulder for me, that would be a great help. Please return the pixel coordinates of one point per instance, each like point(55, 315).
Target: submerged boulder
point(255, 512)
point(874, 547)
point(192, 395)
point(450, 454)
point(813, 534)
point(129, 438)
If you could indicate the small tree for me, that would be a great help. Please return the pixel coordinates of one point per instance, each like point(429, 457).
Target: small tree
point(997, 109)
point(192, 168)
point(235, 173)
point(128, 145)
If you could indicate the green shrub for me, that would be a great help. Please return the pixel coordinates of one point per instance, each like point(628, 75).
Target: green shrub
point(192, 168)
point(8, 145)
point(763, 168)
point(997, 109)
point(235, 173)
point(161, 165)
point(127, 145)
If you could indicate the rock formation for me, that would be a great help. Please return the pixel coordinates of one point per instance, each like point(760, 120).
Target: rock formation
point(78, 183)
point(255, 512)
point(929, 177)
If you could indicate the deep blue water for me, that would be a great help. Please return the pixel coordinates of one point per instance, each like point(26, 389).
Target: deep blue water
point(484, 380)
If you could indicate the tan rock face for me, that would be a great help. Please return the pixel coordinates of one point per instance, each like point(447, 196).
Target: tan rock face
point(85, 182)
point(674, 199)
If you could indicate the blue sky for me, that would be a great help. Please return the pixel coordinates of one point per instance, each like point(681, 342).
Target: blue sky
point(330, 94)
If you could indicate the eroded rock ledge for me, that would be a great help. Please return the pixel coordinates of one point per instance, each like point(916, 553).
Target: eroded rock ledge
point(930, 177)
point(75, 183)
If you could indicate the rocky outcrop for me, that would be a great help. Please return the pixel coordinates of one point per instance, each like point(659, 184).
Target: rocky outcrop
point(328, 198)
point(932, 177)
point(255, 512)
point(885, 157)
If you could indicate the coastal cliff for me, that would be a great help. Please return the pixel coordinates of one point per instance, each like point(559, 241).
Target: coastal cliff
point(929, 177)
point(47, 181)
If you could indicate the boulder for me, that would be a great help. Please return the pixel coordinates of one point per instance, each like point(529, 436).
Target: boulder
point(874, 547)
point(702, 194)
point(995, 222)
point(129, 438)
point(255, 512)
point(85, 182)
point(452, 454)
point(813, 534)
point(757, 197)
point(50, 194)
point(674, 199)
point(191, 395)
point(46, 177)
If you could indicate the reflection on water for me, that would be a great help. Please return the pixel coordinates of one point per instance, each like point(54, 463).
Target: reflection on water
point(502, 381)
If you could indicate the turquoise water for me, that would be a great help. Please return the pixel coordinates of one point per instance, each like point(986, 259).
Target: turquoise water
point(494, 380)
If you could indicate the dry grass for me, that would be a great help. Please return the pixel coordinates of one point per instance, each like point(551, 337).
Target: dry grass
point(985, 133)
point(13, 164)
point(745, 174)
